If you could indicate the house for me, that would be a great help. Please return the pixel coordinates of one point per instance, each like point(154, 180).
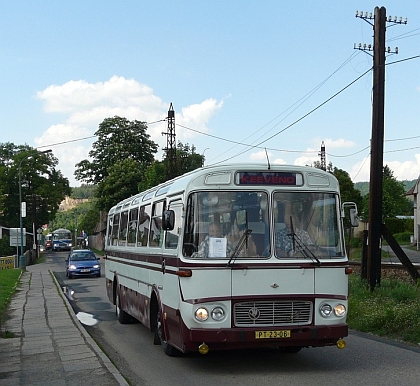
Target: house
point(414, 191)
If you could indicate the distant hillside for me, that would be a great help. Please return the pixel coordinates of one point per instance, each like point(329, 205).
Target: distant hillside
point(364, 186)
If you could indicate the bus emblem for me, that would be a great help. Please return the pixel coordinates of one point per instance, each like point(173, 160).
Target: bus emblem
point(254, 313)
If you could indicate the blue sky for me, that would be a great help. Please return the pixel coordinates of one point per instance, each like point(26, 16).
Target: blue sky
point(239, 71)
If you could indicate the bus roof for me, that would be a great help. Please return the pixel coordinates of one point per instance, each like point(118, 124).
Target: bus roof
point(223, 176)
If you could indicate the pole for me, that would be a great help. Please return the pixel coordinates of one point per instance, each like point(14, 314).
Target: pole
point(22, 259)
point(377, 147)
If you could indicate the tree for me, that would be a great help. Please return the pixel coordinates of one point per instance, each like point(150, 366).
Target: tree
point(347, 190)
point(394, 201)
point(118, 139)
point(186, 160)
point(43, 186)
point(120, 183)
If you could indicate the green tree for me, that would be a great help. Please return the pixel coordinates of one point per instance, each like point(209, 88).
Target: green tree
point(120, 183)
point(186, 160)
point(394, 201)
point(347, 188)
point(43, 186)
point(83, 191)
point(118, 139)
point(89, 220)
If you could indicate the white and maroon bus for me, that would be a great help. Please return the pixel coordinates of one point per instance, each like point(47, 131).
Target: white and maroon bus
point(275, 274)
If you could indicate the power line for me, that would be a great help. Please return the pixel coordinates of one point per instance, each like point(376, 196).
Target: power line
point(300, 119)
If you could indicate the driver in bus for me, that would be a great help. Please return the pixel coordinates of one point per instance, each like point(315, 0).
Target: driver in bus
point(214, 233)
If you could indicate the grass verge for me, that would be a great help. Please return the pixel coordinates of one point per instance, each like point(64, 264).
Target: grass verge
point(9, 279)
point(392, 310)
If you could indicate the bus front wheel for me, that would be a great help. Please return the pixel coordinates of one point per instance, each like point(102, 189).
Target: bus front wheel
point(159, 336)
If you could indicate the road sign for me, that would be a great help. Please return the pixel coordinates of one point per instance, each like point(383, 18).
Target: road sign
point(15, 238)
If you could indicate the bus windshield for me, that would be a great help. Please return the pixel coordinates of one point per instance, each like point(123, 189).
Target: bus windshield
point(307, 225)
point(227, 224)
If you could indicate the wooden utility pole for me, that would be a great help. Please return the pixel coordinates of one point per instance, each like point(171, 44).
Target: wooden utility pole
point(375, 226)
point(377, 150)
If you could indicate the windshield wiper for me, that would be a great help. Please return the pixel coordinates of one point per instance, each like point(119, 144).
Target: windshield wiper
point(296, 240)
point(239, 246)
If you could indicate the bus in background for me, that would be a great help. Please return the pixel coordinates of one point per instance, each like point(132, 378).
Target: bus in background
point(233, 257)
point(62, 240)
point(48, 241)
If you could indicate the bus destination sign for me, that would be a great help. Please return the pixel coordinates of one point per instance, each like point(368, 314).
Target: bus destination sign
point(269, 178)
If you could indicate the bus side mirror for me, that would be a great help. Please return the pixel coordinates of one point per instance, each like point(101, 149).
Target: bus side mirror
point(354, 217)
point(168, 220)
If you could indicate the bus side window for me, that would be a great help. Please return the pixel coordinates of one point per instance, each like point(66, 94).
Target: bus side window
point(143, 227)
point(132, 227)
point(156, 234)
point(115, 226)
point(122, 236)
point(172, 236)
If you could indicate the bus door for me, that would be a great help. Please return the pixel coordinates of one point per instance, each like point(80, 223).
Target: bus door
point(169, 289)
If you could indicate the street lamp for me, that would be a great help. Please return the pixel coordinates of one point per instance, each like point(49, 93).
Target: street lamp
point(207, 148)
point(22, 260)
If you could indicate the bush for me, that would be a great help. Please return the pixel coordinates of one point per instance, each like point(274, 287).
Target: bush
point(5, 248)
point(403, 238)
point(399, 225)
point(356, 242)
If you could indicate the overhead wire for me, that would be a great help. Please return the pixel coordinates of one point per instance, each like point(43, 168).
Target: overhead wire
point(298, 103)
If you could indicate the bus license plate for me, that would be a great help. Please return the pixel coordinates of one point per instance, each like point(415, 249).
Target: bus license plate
point(272, 334)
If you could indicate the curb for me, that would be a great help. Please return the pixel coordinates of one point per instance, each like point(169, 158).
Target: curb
point(89, 340)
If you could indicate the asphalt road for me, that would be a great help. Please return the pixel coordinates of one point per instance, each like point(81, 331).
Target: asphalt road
point(365, 361)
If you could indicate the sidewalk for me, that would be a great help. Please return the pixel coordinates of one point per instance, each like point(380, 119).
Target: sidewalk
point(50, 346)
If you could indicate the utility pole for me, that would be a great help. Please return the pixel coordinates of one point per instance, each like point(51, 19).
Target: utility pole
point(377, 150)
point(322, 155)
point(377, 140)
point(170, 144)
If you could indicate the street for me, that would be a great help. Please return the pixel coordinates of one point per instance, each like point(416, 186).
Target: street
point(365, 360)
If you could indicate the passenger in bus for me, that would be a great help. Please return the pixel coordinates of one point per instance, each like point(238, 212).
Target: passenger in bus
point(214, 235)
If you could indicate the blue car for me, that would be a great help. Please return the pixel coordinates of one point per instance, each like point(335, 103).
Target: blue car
point(82, 262)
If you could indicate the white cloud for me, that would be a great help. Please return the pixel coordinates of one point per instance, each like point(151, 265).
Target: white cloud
point(260, 156)
point(408, 170)
point(84, 106)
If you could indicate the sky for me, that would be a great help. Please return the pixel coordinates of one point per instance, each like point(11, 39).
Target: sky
point(248, 80)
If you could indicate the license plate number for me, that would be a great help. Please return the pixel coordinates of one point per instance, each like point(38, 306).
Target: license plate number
point(272, 334)
point(85, 270)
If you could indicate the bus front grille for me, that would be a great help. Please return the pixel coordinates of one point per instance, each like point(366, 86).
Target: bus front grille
point(266, 313)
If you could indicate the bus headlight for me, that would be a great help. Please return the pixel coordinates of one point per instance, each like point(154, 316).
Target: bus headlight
point(325, 310)
point(201, 314)
point(340, 310)
point(218, 314)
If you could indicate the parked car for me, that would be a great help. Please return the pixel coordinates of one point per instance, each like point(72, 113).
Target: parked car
point(82, 262)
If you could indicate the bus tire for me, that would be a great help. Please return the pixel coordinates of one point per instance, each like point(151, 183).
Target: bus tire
point(122, 316)
point(169, 350)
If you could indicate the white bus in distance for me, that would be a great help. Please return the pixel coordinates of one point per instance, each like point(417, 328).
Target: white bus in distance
point(233, 257)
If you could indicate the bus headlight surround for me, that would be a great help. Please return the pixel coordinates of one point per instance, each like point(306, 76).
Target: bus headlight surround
point(325, 310)
point(218, 314)
point(201, 314)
